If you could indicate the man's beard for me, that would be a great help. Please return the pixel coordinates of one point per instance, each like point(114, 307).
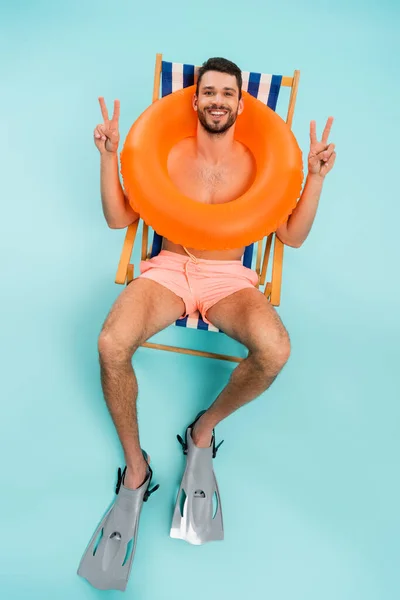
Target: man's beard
point(216, 128)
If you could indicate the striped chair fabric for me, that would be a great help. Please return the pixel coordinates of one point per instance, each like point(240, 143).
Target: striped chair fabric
point(174, 77)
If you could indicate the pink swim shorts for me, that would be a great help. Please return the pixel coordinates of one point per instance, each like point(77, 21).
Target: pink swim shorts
point(200, 283)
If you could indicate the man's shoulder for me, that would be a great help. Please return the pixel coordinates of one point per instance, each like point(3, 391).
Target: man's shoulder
point(182, 154)
point(241, 149)
point(242, 155)
point(184, 147)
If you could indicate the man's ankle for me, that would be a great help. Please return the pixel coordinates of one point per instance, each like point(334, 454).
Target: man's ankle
point(202, 434)
point(136, 463)
point(136, 473)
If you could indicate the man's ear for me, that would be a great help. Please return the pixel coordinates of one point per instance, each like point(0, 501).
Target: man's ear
point(240, 106)
point(194, 102)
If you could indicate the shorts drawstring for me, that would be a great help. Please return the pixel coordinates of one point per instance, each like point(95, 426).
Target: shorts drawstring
point(192, 259)
point(191, 256)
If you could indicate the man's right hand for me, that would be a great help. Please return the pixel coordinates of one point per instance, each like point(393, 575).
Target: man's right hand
point(106, 135)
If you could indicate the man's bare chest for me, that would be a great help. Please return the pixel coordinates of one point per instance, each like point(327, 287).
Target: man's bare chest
point(210, 184)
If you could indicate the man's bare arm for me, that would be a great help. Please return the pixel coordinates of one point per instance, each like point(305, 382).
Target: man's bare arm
point(321, 159)
point(116, 208)
point(295, 231)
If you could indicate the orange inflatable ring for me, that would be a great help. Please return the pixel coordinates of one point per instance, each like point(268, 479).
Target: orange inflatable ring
point(258, 212)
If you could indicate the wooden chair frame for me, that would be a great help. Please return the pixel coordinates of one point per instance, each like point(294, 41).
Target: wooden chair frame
point(272, 288)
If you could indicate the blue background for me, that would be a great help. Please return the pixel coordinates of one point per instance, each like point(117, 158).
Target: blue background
point(308, 472)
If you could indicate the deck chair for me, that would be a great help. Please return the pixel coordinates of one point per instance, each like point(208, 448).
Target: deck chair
point(175, 76)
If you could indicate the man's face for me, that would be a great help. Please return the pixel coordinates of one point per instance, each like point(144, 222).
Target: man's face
point(218, 103)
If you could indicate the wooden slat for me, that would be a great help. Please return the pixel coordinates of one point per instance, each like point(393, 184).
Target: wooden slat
point(156, 95)
point(145, 240)
point(292, 99)
point(126, 253)
point(287, 81)
point(192, 352)
point(267, 253)
point(259, 254)
point(157, 77)
point(277, 266)
point(267, 291)
point(129, 273)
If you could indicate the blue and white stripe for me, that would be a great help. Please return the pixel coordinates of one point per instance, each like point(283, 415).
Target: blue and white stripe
point(175, 76)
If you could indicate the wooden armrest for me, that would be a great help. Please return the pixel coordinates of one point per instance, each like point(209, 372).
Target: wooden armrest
point(277, 267)
point(126, 253)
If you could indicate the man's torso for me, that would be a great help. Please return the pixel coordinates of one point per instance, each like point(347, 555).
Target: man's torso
point(210, 184)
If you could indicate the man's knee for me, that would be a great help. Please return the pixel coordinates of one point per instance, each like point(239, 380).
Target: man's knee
point(114, 347)
point(273, 351)
point(281, 349)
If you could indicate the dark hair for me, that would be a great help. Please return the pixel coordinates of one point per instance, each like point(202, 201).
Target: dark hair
point(222, 65)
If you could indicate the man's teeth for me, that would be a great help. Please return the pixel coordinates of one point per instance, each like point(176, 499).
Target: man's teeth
point(217, 113)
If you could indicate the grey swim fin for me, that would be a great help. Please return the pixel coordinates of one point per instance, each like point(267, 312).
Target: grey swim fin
point(196, 519)
point(107, 561)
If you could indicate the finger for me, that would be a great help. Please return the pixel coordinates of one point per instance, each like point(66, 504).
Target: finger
point(331, 161)
point(313, 132)
point(327, 130)
point(115, 116)
point(108, 132)
point(103, 109)
point(113, 136)
point(326, 153)
point(99, 133)
point(328, 165)
point(318, 147)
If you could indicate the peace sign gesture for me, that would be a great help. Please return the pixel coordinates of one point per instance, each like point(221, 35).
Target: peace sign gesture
point(322, 155)
point(106, 135)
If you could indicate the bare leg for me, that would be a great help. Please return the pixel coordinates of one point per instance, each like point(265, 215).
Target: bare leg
point(247, 317)
point(143, 308)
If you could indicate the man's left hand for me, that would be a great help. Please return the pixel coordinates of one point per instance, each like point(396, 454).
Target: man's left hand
point(322, 154)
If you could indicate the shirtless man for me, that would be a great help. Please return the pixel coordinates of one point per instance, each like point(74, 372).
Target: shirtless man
point(211, 168)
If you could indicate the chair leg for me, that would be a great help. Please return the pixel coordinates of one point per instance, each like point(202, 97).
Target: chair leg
point(129, 273)
point(267, 291)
